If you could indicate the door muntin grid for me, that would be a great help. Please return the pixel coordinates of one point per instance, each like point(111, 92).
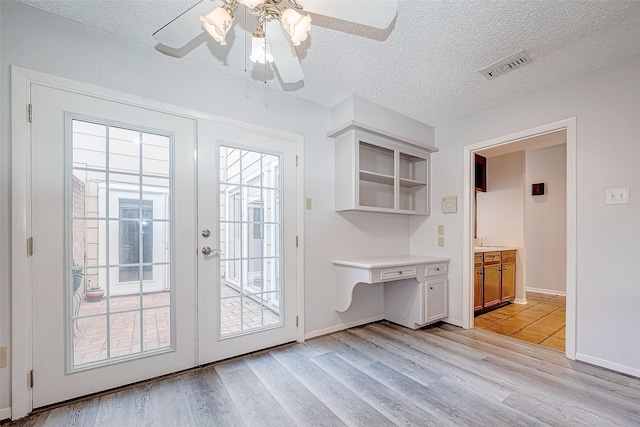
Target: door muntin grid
point(250, 233)
point(111, 317)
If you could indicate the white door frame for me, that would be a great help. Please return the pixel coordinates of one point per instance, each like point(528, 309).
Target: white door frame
point(467, 245)
point(21, 291)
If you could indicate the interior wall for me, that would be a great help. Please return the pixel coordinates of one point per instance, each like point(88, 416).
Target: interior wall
point(501, 207)
point(34, 39)
point(605, 104)
point(545, 220)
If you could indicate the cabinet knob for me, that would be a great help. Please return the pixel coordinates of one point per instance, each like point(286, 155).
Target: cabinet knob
point(430, 287)
point(399, 272)
point(505, 269)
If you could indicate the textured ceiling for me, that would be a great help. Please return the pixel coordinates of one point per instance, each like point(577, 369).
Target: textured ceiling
point(425, 65)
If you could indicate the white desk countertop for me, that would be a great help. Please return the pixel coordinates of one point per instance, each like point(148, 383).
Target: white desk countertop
point(389, 261)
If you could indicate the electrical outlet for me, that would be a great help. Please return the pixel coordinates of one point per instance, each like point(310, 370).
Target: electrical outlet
point(441, 242)
point(3, 357)
point(615, 196)
point(308, 203)
point(441, 230)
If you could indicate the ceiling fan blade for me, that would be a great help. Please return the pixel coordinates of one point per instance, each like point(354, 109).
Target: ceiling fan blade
point(372, 13)
point(284, 55)
point(187, 26)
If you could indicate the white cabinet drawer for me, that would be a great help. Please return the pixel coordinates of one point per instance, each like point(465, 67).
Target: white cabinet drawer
point(397, 273)
point(435, 269)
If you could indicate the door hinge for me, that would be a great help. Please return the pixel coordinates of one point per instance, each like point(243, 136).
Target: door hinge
point(296, 241)
point(30, 246)
point(296, 321)
point(31, 378)
point(296, 161)
point(29, 113)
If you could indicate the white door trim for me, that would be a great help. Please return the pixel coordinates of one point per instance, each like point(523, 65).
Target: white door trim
point(467, 244)
point(21, 292)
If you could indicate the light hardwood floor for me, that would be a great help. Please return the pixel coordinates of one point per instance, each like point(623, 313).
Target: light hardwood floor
point(541, 321)
point(375, 375)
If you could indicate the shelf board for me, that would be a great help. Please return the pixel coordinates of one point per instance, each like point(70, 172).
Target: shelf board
point(376, 177)
point(410, 183)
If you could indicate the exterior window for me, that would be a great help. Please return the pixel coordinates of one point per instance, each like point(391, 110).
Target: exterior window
point(129, 244)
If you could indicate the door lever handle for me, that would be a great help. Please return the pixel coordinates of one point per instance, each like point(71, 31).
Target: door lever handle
point(208, 251)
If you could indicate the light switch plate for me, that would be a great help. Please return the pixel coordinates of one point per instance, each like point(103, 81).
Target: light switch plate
point(308, 203)
point(615, 196)
point(449, 204)
point(3, 357)
point(441, 242)
point(441, 230)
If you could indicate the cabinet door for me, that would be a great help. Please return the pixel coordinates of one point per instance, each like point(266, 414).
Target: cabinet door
point(508, 281)
point(492, 294)
point(477, 289)
point(435, 300)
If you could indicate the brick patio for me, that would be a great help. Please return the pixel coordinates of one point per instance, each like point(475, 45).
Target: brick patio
point(90, 334)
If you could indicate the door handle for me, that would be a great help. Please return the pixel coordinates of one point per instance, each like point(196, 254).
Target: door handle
point(208, 251)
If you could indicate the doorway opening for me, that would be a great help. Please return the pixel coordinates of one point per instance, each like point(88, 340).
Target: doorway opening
point(520, 228)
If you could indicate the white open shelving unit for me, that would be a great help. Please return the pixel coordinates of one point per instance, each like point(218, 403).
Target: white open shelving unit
point(379, 172)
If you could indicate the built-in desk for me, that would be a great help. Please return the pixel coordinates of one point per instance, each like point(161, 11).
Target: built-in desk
point(415, 290)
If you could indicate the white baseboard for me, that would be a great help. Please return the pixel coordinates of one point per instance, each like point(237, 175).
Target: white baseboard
point(341, 327)
point(520, 301)
point(547, 291)
point(5, 414)
point(608, 364)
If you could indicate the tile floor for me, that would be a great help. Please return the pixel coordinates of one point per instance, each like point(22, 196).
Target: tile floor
point(541, 321)
point(90, 333)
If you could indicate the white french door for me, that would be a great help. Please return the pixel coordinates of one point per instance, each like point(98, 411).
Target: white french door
point(155, 250)
point(113, 268)
point(247, 222)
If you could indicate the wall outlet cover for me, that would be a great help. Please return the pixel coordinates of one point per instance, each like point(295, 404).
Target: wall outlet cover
point(449, 204)
point(441, 242)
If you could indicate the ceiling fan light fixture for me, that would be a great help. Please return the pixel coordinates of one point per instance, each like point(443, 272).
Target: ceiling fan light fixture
point(218, 23)
point(260, 53)
point(296, 25)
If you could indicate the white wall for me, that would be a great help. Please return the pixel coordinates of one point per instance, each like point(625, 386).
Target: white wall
point(605, 104)
point(36, 40)
point(501, 207)
point(546, 219)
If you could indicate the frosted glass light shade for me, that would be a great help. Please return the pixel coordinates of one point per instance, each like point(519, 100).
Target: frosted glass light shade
point(217, 24)
point(251, 4)
point(258, 47)
point(296, 25)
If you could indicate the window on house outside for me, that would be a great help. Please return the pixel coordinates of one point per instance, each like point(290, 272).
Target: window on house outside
point(135, 229)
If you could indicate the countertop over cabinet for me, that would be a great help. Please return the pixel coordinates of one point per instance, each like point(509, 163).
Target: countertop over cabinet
point(494, 248)
point(415, 287)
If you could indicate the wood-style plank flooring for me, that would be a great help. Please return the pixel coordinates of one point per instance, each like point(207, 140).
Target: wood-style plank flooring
point(380, 374)
point(540, 321)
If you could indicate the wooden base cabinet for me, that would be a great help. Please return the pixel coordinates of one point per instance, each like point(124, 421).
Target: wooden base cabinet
point(494, 279)
point(478, 289)
point(508, 282)
point(491, 285)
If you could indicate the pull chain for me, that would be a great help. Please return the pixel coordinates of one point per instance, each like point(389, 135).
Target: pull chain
point(245, 39)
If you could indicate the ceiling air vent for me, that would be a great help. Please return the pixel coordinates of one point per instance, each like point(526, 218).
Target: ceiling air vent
point(505, 65)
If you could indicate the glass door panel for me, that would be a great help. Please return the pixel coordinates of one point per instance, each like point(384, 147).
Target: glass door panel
point(247, 234)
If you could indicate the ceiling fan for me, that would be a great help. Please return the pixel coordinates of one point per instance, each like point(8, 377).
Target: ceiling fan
point(280, 25)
